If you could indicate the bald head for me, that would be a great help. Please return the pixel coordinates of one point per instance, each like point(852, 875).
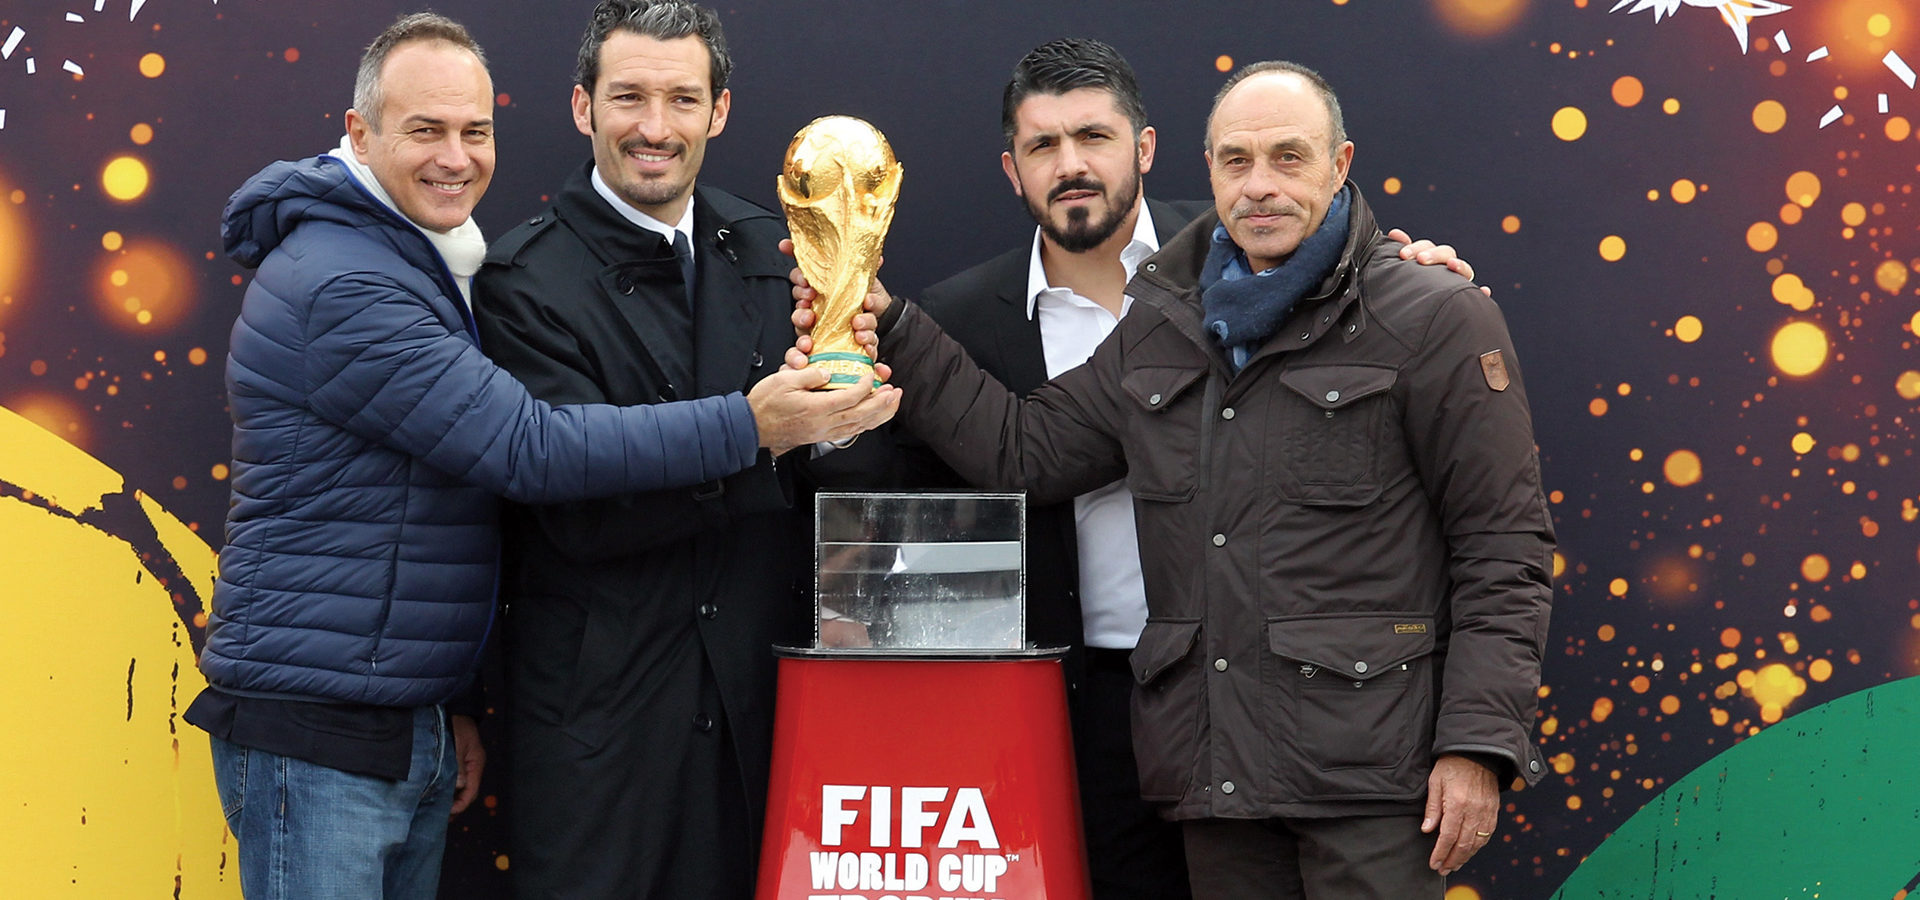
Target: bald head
point(1337, 126)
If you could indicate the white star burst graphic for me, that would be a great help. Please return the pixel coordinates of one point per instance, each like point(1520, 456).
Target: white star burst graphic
point(1736, 13)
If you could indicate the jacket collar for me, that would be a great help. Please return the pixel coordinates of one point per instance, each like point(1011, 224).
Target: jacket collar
point(726, 320)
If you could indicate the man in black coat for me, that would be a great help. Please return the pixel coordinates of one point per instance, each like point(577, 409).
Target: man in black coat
point(1077, 146)
point(639, 629)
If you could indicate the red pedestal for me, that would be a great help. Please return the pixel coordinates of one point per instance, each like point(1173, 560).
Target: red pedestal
point(922, 777)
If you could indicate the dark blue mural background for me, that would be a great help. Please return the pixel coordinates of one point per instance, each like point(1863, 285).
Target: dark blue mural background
point(1738, 528)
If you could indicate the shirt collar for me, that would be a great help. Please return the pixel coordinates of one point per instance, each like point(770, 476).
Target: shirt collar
point(621, 206)
point(1144, 244)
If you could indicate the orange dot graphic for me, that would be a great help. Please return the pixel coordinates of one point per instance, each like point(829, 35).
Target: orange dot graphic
point(1799, 348)
point(1790, 214)
point(1769, 116)
point(1879, 25)
point(1730, 638)
point(1223, 63)
point(1510, 224)
point(1789, 290)
point(1670, 106)
point(1853, 214)
point(291, 55)
point(1815, 567)
point(141, 133)
point(1684, 191)
point(1890, 275)
point(1627, 91)
point(1803, 188)
point(1569, 123)
point(1802, 443)
point(1682, 468)
point(1391, 185)
point(1480, 18)
point(1612, 248)
point(1761, 236)
point(152, 64)
point(1898, 128)
point(1617, 587)
point(124, 178)
point(1688, 329)
point(1598, 407)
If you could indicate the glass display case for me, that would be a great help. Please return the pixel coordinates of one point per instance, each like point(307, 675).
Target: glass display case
point(920, 571)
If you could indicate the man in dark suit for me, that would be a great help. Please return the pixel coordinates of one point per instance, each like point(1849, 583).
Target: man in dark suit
point(639, 629)
point(1078, 143)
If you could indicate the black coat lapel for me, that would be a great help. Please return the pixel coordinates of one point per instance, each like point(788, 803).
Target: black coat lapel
point(729, 313)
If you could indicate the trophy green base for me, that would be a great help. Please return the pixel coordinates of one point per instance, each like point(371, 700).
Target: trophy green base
point(844, 370)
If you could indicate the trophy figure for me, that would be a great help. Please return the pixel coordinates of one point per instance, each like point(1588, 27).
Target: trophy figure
point(838, 189)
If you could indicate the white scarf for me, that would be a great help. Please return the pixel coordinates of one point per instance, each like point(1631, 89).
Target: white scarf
point(462, 248)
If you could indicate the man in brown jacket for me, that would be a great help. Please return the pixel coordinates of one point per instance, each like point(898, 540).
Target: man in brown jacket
point(1344, 540)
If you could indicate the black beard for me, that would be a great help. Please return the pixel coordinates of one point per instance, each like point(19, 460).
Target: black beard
point(1081, 233)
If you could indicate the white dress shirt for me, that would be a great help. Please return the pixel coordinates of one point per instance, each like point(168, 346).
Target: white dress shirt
point(664, 230)
point(1113, 596)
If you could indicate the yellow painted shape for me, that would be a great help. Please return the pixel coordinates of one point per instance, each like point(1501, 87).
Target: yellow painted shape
point(34, 459)
point(107, 792)
point(192, 554)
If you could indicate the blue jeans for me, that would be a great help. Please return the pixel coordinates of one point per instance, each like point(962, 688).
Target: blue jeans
point(308, 832)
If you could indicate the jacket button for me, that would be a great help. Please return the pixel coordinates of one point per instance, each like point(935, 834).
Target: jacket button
point(536, 220)
point(1153, 267)
point(1360, 667)
point(1305, 334)
point(758, 360)
point(1533, 765)
point(1219, 540)
point(703, 722)
point(1154, 400)
point(1220, 665)
point(1226, 787)
point(1333, 396)
point(1227, 413)
point(708, 610)
point(1352, 328)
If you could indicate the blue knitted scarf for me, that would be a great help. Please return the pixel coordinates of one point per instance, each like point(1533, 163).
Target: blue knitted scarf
point(1243, 308)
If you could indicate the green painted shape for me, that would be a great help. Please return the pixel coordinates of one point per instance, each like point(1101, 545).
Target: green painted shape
point(1824, 804)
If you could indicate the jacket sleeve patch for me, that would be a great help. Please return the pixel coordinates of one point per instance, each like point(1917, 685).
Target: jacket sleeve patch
point(1494, 366)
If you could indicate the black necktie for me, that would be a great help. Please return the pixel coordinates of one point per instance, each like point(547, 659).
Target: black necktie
point(684, 250)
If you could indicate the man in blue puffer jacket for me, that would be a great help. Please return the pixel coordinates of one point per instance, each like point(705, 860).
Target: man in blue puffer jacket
point(371, 438)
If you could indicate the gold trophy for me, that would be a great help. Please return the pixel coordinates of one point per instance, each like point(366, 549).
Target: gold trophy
point(838, 189)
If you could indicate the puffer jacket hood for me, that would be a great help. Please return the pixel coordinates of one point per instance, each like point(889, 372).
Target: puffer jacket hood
point(271, 204)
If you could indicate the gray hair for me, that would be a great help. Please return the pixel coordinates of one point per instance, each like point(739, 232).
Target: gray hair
point(368, 97)
point(1339, 124)
point(662, 20)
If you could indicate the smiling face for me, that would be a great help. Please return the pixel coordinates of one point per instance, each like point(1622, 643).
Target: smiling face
point(650, 114)
point(1273, 165)
point(1077, 163)
point(433, 151)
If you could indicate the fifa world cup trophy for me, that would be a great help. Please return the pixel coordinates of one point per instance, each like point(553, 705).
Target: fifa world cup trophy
point(838, 187)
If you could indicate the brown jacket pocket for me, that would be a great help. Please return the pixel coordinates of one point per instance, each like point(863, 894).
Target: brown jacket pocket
point(1332, 421)
point(1165, 450)
point(1359, 687)
point(1168, 707)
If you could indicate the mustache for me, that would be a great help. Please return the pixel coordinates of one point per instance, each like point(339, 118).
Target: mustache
point(631, 144)
point(1246, 208)
point(1082, 183)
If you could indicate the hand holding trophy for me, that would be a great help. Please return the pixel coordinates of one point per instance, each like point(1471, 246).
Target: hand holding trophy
point(838, 188)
